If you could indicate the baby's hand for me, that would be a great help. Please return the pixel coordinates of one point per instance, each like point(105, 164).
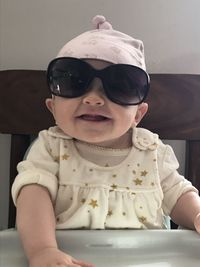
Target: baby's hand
point(197, 223)
point(53, 257)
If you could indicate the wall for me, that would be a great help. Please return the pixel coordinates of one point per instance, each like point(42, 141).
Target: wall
point(31, 33)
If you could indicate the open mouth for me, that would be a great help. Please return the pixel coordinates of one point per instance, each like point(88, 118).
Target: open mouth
point(95, 118)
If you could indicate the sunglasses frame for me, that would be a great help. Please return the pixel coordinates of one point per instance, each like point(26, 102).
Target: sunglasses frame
point(99, 74)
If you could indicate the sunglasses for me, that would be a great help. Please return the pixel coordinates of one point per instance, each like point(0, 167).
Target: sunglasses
point(123, 84)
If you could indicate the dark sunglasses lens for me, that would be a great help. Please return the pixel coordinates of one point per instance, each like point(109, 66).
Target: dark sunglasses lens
point(126, 84)
point(68, 77)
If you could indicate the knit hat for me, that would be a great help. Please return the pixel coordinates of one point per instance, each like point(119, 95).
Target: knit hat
point(106, 44)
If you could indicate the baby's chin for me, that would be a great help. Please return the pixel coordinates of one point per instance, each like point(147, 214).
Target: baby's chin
point(102, 138)
point(92, 137)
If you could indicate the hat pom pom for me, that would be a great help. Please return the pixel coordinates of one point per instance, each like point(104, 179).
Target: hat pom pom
point(100, 22)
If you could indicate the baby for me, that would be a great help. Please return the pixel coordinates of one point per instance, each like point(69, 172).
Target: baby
point(95, 169)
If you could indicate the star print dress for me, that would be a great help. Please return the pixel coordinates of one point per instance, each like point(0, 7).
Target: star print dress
point(135, 193)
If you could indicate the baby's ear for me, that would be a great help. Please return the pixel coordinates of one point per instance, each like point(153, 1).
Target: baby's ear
point(142, 110)
point(50, 104)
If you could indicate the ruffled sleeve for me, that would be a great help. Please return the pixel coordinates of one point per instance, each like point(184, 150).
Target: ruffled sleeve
point(40, 167)
point(173, 184)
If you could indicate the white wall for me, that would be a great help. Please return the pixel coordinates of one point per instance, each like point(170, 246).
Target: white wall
point(32, 32)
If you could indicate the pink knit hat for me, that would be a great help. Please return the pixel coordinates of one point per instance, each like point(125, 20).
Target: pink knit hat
point(104, 43)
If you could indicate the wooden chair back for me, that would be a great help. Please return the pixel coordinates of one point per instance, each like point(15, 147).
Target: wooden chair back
point(173, 114)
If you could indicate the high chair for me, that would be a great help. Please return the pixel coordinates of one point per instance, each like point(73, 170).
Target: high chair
point(174, 114)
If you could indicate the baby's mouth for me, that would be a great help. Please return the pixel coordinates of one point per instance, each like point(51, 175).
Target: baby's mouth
point(91, 117)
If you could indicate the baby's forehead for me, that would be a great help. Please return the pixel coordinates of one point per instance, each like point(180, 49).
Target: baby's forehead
point(97, 63)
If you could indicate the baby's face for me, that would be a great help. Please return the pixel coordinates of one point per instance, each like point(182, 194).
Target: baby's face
point(93, 117)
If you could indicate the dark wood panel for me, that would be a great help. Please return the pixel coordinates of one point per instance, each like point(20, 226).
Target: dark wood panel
point(23, 94)
point(193, 162)
point(174, 106)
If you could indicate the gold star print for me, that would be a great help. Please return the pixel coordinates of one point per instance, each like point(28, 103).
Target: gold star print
point(56, 158)
point(110, 213)
point(142, 219)
point(93, 203)
point(114, 186)
point(65, 157)
point(137, 181)
point(152, 184)
point(144, 173)
point(134, 172)
point(114, 176)
point(107, 165)
point(83, 200)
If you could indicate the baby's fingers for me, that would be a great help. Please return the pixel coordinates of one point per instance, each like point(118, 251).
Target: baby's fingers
point(197, 223)
point(68, 265)
point(82, 263)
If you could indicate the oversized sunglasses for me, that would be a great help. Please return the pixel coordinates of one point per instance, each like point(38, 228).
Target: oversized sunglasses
point(123, 84)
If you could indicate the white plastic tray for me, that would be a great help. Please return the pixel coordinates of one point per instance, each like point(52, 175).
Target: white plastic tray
point(115, 248)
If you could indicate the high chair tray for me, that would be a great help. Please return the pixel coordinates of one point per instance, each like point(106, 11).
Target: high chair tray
point(115, 248)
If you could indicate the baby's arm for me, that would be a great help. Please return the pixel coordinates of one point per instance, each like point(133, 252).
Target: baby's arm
point(186, 211)
point(36, 226)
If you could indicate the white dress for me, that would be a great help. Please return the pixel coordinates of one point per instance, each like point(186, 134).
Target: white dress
point(136, 193)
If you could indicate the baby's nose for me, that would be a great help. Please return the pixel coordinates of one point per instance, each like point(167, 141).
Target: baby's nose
point(95, 96)
point(93, 99)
